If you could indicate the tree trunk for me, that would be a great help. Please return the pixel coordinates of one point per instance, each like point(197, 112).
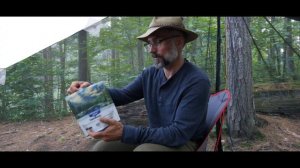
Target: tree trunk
point(241, 114)
point(62, 50)
point(278, 60)
point(271, 51)
point(113, 69)
point(290, 66)
point(140, 56)
point(48, 82)
point(140, 52)
point(131, 59)
point(207, 57)
point(3, 103)
point(83, 59)
point(274, 59)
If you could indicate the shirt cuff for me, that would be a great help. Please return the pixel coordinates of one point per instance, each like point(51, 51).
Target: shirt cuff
point(130, 134)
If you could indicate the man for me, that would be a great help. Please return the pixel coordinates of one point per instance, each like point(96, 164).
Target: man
point(175, 91)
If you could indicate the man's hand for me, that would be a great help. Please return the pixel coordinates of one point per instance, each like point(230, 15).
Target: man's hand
point(76, 85)
point(113, 132)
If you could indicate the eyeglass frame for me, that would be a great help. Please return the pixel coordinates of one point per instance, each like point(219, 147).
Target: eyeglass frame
point(158, 42)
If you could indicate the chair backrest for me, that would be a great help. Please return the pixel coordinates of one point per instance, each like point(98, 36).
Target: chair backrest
point(217, 105)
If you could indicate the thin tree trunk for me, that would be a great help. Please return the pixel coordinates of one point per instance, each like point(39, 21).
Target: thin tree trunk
point(113, 65)
point(208, 45)
point(140, 55)
point(62, 50)
point(271, 53)
point(131, 61)
point(140, 51)
point(48, 82)
point(284, 63)
point(3, 100)
point(83, 73)
point(278, 60)
point(290, 66)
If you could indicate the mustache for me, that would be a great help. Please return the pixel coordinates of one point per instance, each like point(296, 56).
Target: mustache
point(157, 56)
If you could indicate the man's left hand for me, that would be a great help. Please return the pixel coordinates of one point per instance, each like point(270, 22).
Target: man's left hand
point(113, 132)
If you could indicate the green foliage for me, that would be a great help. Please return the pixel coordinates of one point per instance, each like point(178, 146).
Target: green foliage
point(113, 58)
point(273, 49)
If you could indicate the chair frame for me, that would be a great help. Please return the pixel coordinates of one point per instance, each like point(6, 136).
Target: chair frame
point(218, 121)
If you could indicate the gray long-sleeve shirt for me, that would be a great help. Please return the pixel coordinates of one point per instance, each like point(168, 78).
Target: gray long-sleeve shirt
point(176, 107)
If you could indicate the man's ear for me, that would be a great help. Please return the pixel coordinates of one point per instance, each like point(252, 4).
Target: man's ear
point(180, 42)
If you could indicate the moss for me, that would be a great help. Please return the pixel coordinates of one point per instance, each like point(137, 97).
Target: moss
point(297, 145)
point(61, 139)
point(259, 136)
point(246, 144)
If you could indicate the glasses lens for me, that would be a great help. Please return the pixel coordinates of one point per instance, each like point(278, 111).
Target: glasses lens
point(147, 47)
point(157, 42)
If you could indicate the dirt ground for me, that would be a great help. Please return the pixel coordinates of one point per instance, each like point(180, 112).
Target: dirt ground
point(278, 134)
point(60, 135)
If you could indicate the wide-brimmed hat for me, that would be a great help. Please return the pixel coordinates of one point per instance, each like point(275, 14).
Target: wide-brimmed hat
point(168, 22)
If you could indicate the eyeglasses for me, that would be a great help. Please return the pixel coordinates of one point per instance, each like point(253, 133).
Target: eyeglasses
point(157, 42)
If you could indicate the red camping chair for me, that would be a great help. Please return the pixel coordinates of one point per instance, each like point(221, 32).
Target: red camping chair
point(216, 108)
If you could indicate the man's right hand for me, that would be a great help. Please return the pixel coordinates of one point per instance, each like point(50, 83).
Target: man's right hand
point(76, 85)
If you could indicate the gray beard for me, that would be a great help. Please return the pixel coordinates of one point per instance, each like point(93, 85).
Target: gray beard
point(160, 62)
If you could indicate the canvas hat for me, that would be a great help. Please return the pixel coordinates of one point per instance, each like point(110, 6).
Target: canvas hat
point(158, 23)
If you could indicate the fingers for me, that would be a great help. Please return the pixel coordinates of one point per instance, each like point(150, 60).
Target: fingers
point(95, 135)
point(84, 84)
point(108, 121)
point(74, 87)
point(113, 132)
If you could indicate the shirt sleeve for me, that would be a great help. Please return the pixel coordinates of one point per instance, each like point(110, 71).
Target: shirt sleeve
point(128, 94)
point(189, 120)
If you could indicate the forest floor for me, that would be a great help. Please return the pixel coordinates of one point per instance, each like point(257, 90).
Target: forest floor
point(277, 133)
